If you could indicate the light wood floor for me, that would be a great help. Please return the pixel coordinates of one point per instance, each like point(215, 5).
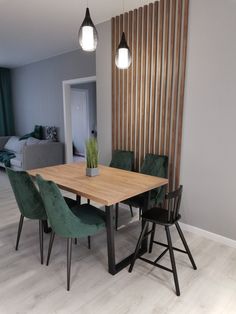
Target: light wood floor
point(28, 287)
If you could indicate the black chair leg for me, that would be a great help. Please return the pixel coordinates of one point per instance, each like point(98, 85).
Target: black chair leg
point(138, 246)
point(88, 201)
point(131, 211)
point(41, 240)
point(172, 259)
point(45, 227)
point(50, 246)
point(152, 237)
point(76, 241)
point(19, 231)
point(185, 245)
point(89, 242)
point(69, 253)
point(117, 216)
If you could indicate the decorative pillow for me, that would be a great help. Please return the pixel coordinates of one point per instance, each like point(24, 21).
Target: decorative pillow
point(51, 133)
point(15, 145)
point(38, 132)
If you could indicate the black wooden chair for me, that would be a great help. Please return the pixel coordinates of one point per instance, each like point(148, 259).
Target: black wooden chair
point(166, 217)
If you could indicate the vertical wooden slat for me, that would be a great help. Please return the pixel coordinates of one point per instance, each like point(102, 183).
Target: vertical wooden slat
point(164, 77)
point(125, 95)
point(134, 65)
point(139, 47)
point(170, 76)
point(130, 92)
point(143, 84)
point(153, 79)
point(159, 72)
point(182, 88)
point(175, 104)
point(113, 87)
point(148, 80)
point(121, 94)
point(117, 80)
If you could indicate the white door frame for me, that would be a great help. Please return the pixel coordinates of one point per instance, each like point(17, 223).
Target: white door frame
point(66, 87)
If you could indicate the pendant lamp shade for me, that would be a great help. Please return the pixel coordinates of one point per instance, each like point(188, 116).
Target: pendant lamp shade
point(88, 36)
point(123, 54)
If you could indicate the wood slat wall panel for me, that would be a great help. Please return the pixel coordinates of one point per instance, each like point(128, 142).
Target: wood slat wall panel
point(148, 98)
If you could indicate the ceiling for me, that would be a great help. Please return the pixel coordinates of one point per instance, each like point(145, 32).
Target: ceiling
point(33, 30)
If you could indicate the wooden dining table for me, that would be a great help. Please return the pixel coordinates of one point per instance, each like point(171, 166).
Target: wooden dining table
point(110, 187)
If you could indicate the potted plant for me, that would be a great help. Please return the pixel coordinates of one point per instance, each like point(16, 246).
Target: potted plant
point(92, 157)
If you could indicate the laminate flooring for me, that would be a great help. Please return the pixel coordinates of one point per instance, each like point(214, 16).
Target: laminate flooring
point(26, 286)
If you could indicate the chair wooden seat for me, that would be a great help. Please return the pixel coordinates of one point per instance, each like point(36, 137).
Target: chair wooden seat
point(160, 216)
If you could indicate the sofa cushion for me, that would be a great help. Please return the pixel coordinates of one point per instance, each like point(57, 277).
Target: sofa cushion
point(17, 161)
point(15, 145)
point(33, 141)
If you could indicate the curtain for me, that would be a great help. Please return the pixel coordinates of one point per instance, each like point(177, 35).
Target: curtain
point(6, 110)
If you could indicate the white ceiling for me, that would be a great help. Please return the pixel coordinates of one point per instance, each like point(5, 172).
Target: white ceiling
point(33, 30)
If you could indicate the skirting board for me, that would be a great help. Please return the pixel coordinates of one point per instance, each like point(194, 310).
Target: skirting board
point(209, 235)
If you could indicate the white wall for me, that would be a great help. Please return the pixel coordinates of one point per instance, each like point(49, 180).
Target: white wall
point(209, 146)
point(104, 107)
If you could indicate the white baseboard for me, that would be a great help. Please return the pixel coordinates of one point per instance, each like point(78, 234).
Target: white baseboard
point(209, 235)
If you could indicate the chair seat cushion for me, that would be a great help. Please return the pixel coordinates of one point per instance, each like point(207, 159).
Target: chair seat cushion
point(159, 215)
point(89, 215)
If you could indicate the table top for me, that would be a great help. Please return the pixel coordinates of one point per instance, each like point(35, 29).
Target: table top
point(111, 186)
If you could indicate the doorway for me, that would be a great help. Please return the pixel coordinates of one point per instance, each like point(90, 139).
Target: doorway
point(80, 119)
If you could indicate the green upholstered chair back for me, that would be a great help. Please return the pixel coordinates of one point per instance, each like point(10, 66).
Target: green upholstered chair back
point(61, 218)
point(156, 165)
point(27, 196)
point(122, 159)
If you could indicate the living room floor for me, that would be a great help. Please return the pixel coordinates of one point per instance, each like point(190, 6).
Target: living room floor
point(29, 287)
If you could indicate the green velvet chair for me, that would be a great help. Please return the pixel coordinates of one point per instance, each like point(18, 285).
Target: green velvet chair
point(122, 159)
point(154, 165)
point(75, 222)
point(29, 202)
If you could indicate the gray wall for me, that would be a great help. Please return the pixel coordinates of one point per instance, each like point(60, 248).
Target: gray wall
point(209, 150)
point(103, 74)
point(92, 100)
point(37, 89)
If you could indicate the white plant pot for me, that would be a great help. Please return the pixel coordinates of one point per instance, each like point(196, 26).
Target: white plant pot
point(92, 172)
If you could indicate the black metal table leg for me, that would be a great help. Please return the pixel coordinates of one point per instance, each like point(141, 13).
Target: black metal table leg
point(110, 240)
point(144, 245)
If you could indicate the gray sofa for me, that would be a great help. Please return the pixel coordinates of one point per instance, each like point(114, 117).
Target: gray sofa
point(34, 154)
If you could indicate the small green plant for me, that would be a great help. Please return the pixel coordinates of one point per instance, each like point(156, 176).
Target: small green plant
point(92, 153)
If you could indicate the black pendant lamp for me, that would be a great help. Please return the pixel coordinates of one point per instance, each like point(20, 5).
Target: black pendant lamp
point(123, 54)
point(88, 36)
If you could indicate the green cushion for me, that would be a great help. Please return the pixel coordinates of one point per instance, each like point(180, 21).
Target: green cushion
point(122, 160)
point(27, 196)
point(38, 132)
point(81, 221)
